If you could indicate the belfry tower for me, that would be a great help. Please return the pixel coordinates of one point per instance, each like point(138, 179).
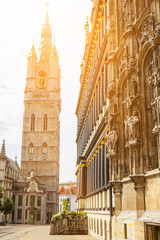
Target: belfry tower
point(41, 125)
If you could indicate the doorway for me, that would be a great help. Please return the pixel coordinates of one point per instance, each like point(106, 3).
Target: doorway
point(31, 218)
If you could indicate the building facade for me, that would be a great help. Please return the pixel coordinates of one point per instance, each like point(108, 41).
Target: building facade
point(41, 125)
point(9, 171)
point(29, 197)
point(68, 190)
point(118, 121)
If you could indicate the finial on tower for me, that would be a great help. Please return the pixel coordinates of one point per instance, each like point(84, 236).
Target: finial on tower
point(3, 150)
point(33, 52)
point(47, 17)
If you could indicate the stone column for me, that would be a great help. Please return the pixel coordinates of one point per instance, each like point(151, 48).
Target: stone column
point(117, 189)
point(104, 199)
point(97, 200)
point(102, 164)
point(84, 178)
point(16, 209)
point(139, 186)
point(96, 173)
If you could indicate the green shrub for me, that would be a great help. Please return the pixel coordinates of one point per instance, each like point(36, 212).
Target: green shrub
point(56, 217)
point(69, 215)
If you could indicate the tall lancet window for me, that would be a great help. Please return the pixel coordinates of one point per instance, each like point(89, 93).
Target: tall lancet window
point(32, 122)
point(31, 151)
point(44, 151)
point(44, 148)
point(45, 122)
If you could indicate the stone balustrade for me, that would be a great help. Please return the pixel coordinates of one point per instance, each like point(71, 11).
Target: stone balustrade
point(67, 226)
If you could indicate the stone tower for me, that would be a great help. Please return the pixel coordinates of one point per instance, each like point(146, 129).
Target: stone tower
point(41, 125)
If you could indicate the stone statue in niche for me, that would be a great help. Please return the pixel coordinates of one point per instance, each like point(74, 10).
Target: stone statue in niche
point(112, 108)
point(154, 115)
point(147, 32)
point(133, 88)
point(126, 130)
point(133, 128)
point(155, 105)
point(112, 140)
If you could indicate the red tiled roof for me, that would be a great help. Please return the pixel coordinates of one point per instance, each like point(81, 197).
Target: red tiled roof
point(62, 190)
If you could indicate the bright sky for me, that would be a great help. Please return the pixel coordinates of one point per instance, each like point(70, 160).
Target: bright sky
point(21, 22)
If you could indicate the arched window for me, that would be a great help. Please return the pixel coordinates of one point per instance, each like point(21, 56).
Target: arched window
point(45, 121)
point(31, 148)
point(44, 148)
point(32, 122)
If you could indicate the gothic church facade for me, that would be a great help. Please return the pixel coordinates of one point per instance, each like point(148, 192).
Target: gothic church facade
point(118, 114)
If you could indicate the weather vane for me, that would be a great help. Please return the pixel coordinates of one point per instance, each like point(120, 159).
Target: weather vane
point(47, 4)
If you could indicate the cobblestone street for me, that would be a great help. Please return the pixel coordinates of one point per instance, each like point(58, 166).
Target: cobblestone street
point(34, 232)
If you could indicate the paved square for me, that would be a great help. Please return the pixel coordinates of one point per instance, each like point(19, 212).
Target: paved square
point(35, 232)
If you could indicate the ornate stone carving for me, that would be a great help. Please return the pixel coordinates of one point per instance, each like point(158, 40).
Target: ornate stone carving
point(133, 94)
point(112, 140)
point(113, 108)
point(111, 88)
point(147, 32)
point(131, 65)
point(33, 187)
point(123, 60)
point(139, 181)
point(154, 79)
point(155, 105)
point(117, 186)
point(132, 129)
point(133, 88)
point(126, 130)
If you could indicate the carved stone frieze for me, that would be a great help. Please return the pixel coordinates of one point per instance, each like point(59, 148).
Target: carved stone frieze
point(139, 181)
point(147, 32)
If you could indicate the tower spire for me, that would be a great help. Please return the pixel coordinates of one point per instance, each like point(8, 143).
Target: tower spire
point(47, 16)
point(46, 37)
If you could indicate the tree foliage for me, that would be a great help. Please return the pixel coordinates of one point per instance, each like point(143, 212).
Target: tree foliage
point(1, 195)
point(65, 205)
point(7, 205)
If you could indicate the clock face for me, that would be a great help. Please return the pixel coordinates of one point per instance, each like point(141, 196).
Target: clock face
point(41, 82)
